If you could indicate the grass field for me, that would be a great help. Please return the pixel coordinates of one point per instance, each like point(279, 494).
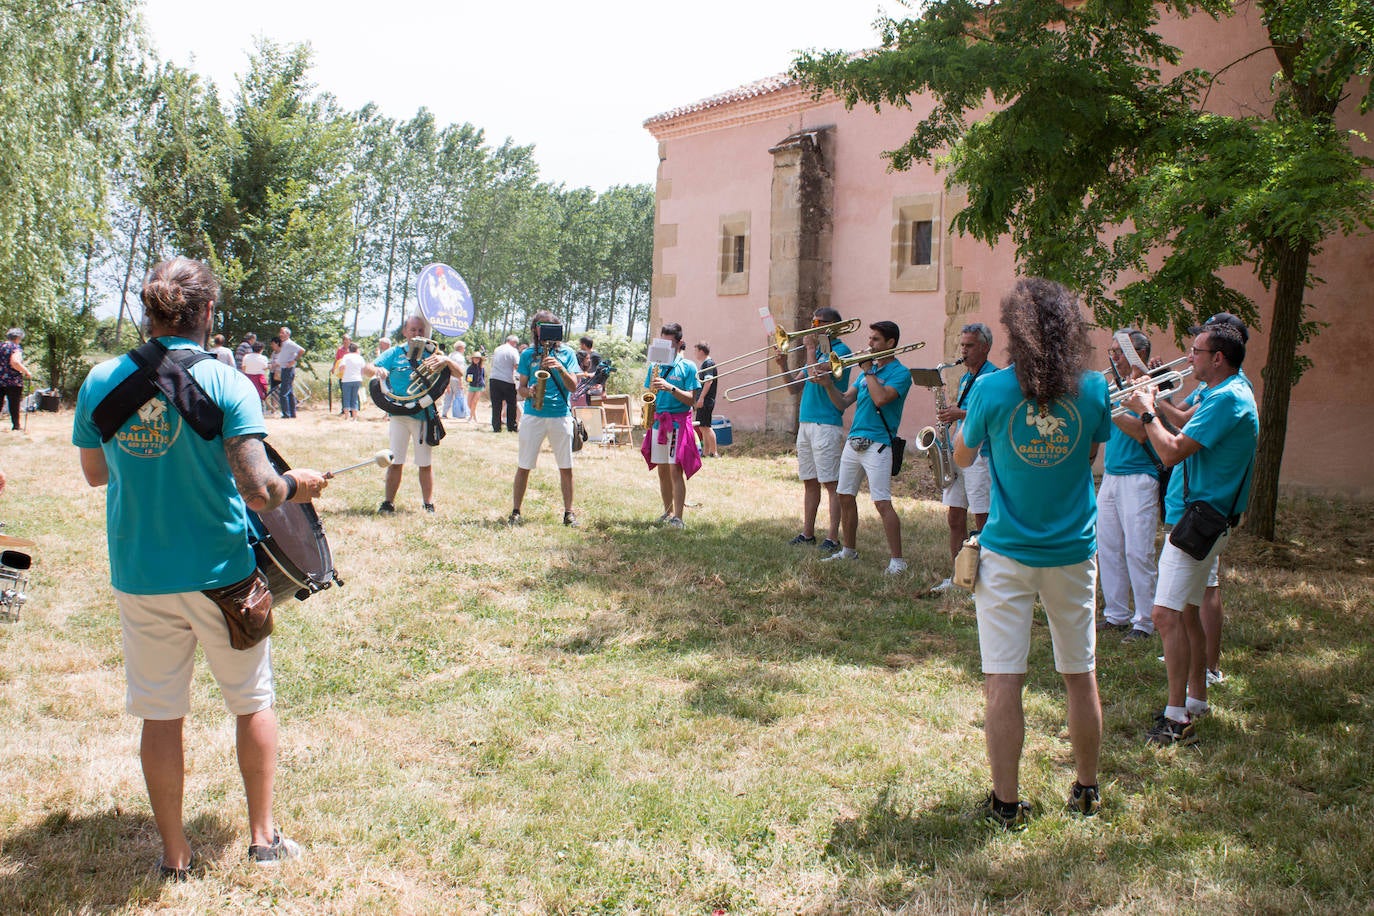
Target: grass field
point(628, 719)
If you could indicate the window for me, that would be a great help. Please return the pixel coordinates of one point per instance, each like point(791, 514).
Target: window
point(914, 265)
point(732, 275)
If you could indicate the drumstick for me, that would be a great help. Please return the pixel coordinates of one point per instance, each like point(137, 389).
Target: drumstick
point(382, 459)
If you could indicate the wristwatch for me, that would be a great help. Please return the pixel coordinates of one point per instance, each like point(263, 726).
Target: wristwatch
point(1147, 417)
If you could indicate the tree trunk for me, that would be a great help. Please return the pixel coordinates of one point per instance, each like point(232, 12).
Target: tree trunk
point(128, 272)
point(1289, 287)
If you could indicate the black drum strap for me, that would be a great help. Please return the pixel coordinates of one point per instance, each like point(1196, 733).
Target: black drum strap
point(167, 371)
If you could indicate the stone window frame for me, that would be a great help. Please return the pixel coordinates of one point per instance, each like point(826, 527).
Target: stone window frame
point(733, 241)
point(908, 211)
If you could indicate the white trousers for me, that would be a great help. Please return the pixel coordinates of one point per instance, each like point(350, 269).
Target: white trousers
point(1127, 519)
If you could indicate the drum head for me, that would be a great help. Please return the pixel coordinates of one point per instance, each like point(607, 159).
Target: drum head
point(296, 534)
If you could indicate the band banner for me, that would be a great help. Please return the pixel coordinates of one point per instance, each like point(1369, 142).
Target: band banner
point(444, 300)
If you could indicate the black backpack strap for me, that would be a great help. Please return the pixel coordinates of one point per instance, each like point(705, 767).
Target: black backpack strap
point(167, 371)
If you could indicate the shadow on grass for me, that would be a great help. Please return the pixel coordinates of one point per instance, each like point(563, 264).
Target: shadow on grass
point(96, 862)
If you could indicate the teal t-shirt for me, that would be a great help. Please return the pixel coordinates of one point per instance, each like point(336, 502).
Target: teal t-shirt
point(174, 519)
point(1124, 456)
point(866, 423)
point(398, 368)
point(816, 406)
point(961, 391)
point(1044, 510)
point(555, 391)
point(1226, 425)
point(681, 374)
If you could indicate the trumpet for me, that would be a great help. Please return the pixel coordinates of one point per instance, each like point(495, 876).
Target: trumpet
point(1170, 379)
point(782, 343)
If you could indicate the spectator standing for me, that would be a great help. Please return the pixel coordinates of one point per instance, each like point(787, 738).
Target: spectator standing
point(351, 381)
point(706, 400)
point(244, 348)
point(502, 381)
point(13, 372)
point(477, 383)
point(255, 366)
point(456, 398)
point(221, 352)
point(290, 354)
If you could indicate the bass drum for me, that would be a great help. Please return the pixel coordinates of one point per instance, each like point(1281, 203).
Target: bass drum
point(291, 548)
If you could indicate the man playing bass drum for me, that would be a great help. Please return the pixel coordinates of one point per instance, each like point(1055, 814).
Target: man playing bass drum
point(548, 410)
point(175, 510)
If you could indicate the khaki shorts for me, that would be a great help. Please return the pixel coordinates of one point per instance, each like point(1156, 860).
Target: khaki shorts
point(404, 431)
point(872, 463)
point(534, 430)
point(160, 637)
point(819, 447)
point(972, 489)
point(1183, 580)
point(1005, 596)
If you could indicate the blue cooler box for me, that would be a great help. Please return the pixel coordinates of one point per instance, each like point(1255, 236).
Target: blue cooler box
point(721, 427)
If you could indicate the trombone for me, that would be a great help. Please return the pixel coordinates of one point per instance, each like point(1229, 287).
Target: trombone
point(1163, 377)
point(836, 363)
point(782, 341)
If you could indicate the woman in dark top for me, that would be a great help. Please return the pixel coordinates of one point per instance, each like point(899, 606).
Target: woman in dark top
point(13, 371)
point(477, 382)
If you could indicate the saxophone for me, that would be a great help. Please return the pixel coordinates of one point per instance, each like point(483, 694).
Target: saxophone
point(648, 399)
point(541, 382)
point(935, 442)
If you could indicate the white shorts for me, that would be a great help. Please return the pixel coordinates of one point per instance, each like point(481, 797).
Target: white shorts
point(1005, 595)
point(404, 431)
point(534, 430)
point(160, 636)
point(871, 463)
point(663, 452)
point(819, 446)
point(972, 489)
point(1183, 580)
point(1214, 576)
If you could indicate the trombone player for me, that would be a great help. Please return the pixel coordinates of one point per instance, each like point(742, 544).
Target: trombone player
point(820, 431)
point(879, 396)
point(548, 410)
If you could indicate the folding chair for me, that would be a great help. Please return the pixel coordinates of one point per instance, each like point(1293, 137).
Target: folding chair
point(594, 418)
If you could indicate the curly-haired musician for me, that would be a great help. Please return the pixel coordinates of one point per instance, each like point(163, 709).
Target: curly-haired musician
point(175, 509)
point(972, 489)
point(1042, 418)
point(820, 436)
point(548, 410)
point(394, 368)
point(1128, 513)
point(1216, 450)
point(878, 396)
point(670, 444)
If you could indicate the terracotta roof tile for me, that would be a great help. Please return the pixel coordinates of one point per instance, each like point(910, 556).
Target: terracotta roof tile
point(752, 90)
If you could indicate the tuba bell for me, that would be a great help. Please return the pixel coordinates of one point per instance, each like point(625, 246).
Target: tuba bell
point(424, 388)
point(934, 441)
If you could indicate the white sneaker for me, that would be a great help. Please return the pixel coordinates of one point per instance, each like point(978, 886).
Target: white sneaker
point(942, 587)
point(896, 566)
point(1215, 677)
point(844, 553)
point(675, 522)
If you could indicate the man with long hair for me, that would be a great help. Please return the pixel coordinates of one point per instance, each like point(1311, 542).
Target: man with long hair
point(1042, 418)
point(178, 525)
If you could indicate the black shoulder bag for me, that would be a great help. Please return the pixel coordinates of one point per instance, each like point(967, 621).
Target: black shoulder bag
point(579, 433)
point(897, 442)
point(1201, 524)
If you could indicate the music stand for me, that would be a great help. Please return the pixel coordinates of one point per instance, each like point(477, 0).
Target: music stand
point(927, 378)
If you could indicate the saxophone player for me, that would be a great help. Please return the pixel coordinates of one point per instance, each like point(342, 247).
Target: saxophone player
point(552, 368)
point(972, 489)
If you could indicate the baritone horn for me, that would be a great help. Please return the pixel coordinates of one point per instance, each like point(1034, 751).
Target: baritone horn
point(424, 388)
point(782, 343)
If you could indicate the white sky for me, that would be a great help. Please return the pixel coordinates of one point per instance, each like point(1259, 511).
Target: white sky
point(575, 79)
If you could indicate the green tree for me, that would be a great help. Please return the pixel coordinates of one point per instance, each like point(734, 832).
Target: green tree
point(1099, 166)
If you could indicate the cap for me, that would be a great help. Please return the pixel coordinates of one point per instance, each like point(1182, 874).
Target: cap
point(1227, 319)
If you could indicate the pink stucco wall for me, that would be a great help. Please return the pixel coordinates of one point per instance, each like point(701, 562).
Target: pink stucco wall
point(715, 161)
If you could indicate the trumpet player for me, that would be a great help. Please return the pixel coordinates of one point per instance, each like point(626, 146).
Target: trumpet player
point(394, 367)
point(544, 377)
point(972, 489)
point(1127, 510)
point(820, 437)
point(878, 397)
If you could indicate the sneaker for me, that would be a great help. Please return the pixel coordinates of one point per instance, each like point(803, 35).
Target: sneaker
point(514, 518)
point(177, 875)
point(943, 587)
point(1084, 800)
point(675, 522)
point(1136, 635)
point(386, 508)
point(1215, 677)
point(1170, 732)
point(802, 539)
point(570, 519)
point(844, 553)
point(1106, 626)
point(828, 545)
point(429, 507)
point(273, 855)
point(1017, 821)
point(663, 519)
point(896, 566)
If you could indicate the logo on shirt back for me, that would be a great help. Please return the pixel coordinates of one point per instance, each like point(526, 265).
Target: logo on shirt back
point(1043, 438)
point(150, 432)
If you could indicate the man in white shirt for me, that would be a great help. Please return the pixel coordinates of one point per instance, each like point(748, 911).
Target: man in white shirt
point(502, 387)
point(255, 367)
point(290, 353)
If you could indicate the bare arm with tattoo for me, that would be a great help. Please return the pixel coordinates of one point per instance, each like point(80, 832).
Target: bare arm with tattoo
point(261, 487)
